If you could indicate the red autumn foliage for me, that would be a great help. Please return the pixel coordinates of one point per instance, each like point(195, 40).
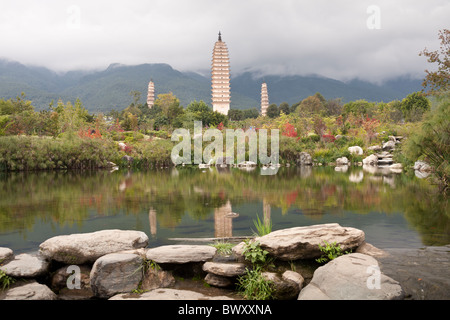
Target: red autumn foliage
point(289, 130)
point(90, 133)
point(328, 138)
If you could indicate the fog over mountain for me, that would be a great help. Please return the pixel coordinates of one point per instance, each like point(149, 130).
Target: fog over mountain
point(372, 41)
point(109, 89)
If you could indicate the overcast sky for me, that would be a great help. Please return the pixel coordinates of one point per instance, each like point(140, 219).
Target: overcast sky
point(341, 39)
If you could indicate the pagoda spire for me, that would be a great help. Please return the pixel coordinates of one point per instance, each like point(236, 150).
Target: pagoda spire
point(220, 36)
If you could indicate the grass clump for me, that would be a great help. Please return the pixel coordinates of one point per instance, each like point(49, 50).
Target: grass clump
point(5, 280)
point(262, 228)
point(223, 248)
point(253, 286)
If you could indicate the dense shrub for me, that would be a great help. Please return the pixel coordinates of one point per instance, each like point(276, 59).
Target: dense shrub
point(33, 153)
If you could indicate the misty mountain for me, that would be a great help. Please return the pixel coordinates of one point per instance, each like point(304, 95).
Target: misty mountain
point(104, 90)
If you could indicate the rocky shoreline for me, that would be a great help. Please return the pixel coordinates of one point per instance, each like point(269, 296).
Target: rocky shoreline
point(117, 265)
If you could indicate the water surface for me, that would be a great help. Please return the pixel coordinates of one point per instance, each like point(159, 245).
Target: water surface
point(394, 210)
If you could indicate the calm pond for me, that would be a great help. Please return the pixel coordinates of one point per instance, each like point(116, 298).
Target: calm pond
point(394, 210)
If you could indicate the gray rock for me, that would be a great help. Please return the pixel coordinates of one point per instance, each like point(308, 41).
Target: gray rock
point(293, 276)
point(355, 150)
point(342, 161)
point(168, 294)
point(26, 265)
point(303, 242)
point(116, 273)
point(218, 281)
point(283, 288)
point(225, 269)
point(28, 291)
point(304, 159)
point(353, 276)
point(371, 160)
point(88, 247)
point(422, 166)
point(375, 148)
point(368, 249)
point(389, 145)
point(6, 255)
point(181, 253)
point(157, 278)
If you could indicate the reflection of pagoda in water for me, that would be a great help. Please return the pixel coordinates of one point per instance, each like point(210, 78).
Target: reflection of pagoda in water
point(152, 221)
point(223, 221)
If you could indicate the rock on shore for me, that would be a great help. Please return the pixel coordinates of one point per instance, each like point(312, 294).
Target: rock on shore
point(124, 265)
point(88, 247)
point(353, 276)
point(303, 242)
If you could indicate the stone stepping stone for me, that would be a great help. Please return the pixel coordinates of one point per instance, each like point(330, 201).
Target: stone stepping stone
point(303, 242)
point(28, 291)
point(88, 247)
point(181, 253)
point(26, 265)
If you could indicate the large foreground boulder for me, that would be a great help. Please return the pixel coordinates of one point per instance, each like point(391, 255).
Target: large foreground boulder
point(88, 247)
point(353, 276)
point(116, 273)
point(303, 242)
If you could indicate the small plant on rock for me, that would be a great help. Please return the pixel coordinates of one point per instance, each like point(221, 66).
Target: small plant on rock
point(254, 253)
point(330, 252)
point(5, 280)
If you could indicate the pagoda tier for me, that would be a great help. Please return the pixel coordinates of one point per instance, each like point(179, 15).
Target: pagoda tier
point(220, 77)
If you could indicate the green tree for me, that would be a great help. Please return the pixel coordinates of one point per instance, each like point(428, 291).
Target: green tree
point(252, 113)
point(284, 107)
point(359, 108)
point(414, 106)
point(439, 80)
point(431, 141)
point(272, 111)
point(235, 115)
point(310, 105)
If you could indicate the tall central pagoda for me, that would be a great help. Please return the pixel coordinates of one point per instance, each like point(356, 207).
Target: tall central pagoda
point(220, 77)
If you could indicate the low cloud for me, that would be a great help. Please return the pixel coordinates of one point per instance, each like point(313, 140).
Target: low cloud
point(337, 39)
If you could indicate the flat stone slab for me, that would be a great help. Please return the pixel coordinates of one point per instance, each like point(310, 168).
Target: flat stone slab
point(225, 269)
point(168, 294)
point(26, 266)
point(88, 247)
point(303, 242)
point(352, 276)
point(181, 253)
point(28, 291)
